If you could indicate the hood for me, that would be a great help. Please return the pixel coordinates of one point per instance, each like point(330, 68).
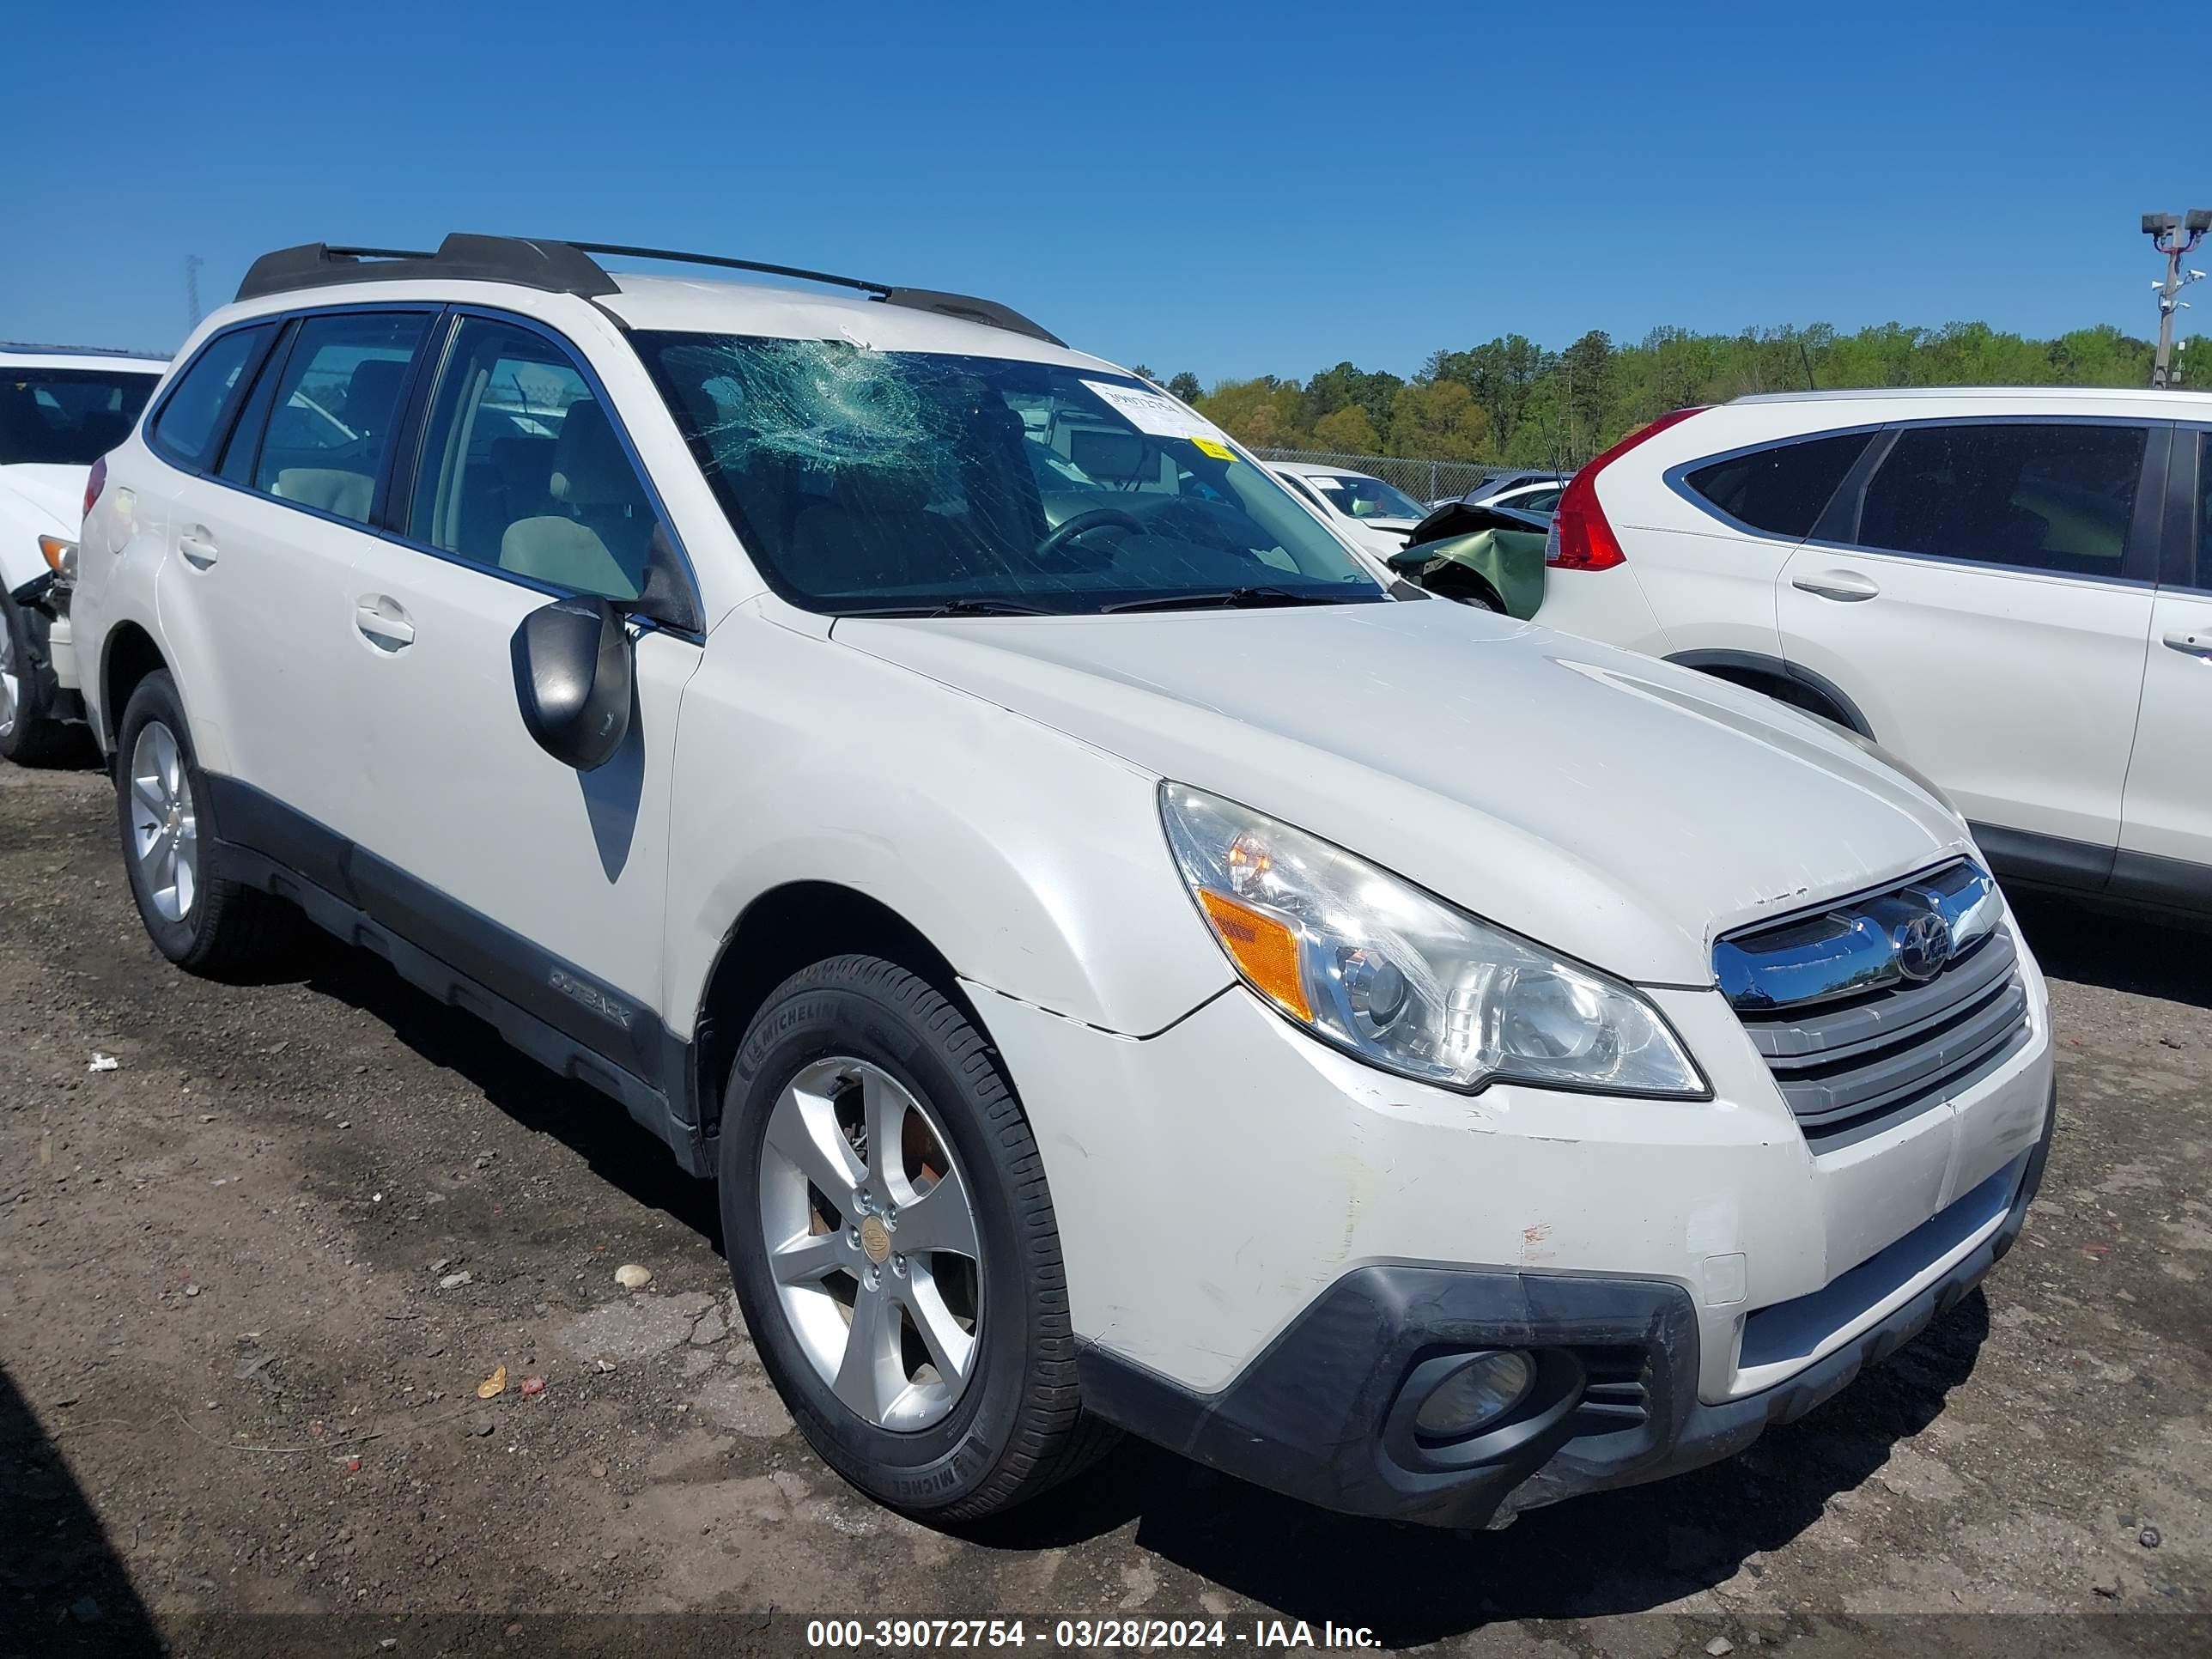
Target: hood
point(1609, 805)
point(56, 491)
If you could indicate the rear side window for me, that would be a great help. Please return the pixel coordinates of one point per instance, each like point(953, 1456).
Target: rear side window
point(333, 409)
point(1781, 490)
point(193, 415)
point(67, 417)
point(2048, 497)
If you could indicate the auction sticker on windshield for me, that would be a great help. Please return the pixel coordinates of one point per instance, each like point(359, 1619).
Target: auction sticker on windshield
point(1156, 416)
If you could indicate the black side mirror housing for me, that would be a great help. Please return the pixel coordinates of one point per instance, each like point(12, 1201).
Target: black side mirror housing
point(572, 675)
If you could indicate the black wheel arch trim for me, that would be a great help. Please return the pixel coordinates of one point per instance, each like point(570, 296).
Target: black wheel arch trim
point(1755, 662)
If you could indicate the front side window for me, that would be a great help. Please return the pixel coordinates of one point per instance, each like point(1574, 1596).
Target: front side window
point(1782, 491)
point(194, 415)
point(879, 481)
point(1359, 496)
point(522, 470)
point(68, 416)
point(2045, 496)
point(331, 420)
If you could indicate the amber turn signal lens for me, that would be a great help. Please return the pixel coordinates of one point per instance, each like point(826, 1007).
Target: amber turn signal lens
point(1262, 948)
point(60, 556)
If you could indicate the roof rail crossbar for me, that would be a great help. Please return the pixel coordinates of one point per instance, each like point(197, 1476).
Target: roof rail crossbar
point(570, 268)
point(554, 267)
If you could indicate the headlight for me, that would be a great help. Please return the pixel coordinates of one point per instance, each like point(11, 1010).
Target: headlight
point(1381, 970)
point(60, 556)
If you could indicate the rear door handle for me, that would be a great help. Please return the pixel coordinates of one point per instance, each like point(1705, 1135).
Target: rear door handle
point(1846, 585)
point(197, 547)
point(2191, 644)
point(383, 622)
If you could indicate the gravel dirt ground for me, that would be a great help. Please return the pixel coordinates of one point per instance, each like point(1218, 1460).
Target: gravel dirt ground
point(251, 1278)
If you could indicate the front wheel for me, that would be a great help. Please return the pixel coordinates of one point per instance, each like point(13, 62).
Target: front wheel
point(893, 1245)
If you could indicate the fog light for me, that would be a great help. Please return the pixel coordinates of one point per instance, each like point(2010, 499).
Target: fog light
point(1479, 1393)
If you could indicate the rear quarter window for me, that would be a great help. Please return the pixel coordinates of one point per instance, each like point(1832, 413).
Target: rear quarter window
point(1783, 489)
point(192, 418)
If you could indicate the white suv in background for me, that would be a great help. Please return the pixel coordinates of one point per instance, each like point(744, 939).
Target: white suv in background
point(1096, 1004)
point(1372, 515)
point(61, 408)
point(2009, 589)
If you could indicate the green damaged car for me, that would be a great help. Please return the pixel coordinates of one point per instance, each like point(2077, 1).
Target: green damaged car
point(1492, 557)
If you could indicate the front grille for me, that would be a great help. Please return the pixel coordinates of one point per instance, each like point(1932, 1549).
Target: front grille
point(1871, 1047)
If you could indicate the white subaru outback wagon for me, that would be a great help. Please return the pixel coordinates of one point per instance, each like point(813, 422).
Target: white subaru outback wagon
point(1122, 965)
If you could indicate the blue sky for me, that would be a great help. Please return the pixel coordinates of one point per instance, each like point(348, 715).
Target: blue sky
point(1225, 188)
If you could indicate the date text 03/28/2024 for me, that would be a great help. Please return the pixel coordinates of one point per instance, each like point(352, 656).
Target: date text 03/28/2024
point(1142, 1634)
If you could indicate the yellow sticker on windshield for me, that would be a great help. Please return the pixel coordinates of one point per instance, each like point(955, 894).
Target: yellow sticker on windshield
point(1215, 447)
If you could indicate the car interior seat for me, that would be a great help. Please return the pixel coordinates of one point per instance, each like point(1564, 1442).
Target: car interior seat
point(597, 536)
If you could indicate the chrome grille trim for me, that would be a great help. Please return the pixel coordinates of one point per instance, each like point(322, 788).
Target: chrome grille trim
point(1850, 947)
point(1859, 1046)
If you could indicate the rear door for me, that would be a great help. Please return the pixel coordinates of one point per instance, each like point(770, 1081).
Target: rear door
point(256, 593)
point(2166, 822)
point(1711, 581)
point(1985, 606)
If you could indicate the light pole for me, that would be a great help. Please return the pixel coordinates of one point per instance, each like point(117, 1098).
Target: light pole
point(2176, 238)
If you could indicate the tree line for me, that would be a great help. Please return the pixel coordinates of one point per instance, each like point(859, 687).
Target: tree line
point(1512, 401)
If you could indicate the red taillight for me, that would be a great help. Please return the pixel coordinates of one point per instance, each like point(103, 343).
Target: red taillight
point(95, 484)
point(1581, 539)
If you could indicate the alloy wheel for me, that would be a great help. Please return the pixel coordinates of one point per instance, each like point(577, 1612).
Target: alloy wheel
point(11, 693)
point(872, 1241)
point(164, 824)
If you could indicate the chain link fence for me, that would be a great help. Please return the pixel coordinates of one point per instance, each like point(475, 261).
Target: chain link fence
point(1424, 481)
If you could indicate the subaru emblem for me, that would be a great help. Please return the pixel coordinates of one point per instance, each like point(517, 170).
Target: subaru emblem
point(1923, 946)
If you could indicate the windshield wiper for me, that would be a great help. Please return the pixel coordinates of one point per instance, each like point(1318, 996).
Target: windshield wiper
point(957, 608)
point(1229, 599)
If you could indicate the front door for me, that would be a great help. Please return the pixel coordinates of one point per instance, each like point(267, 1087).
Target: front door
point(2165, 828)
point(543, 882)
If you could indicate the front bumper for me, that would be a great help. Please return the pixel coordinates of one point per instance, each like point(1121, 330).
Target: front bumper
point(1310, 1418)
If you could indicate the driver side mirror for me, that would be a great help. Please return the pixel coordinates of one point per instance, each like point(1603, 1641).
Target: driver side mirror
point(572, 675)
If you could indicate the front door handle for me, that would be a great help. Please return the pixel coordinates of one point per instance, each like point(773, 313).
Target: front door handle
point(384, 622)
point(1845, 585)
point(2191, 644)
point(197, 547)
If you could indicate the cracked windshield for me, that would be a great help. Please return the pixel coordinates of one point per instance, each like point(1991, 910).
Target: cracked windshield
point(889, 483)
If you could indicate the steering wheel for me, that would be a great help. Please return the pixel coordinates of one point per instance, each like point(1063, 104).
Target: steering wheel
point(1082, 525)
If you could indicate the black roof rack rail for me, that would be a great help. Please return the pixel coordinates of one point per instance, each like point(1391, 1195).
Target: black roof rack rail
point(967, 306)
point(554, 267)
point(559, 267)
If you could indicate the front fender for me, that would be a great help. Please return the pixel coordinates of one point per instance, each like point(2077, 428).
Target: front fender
point(1033, 862)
